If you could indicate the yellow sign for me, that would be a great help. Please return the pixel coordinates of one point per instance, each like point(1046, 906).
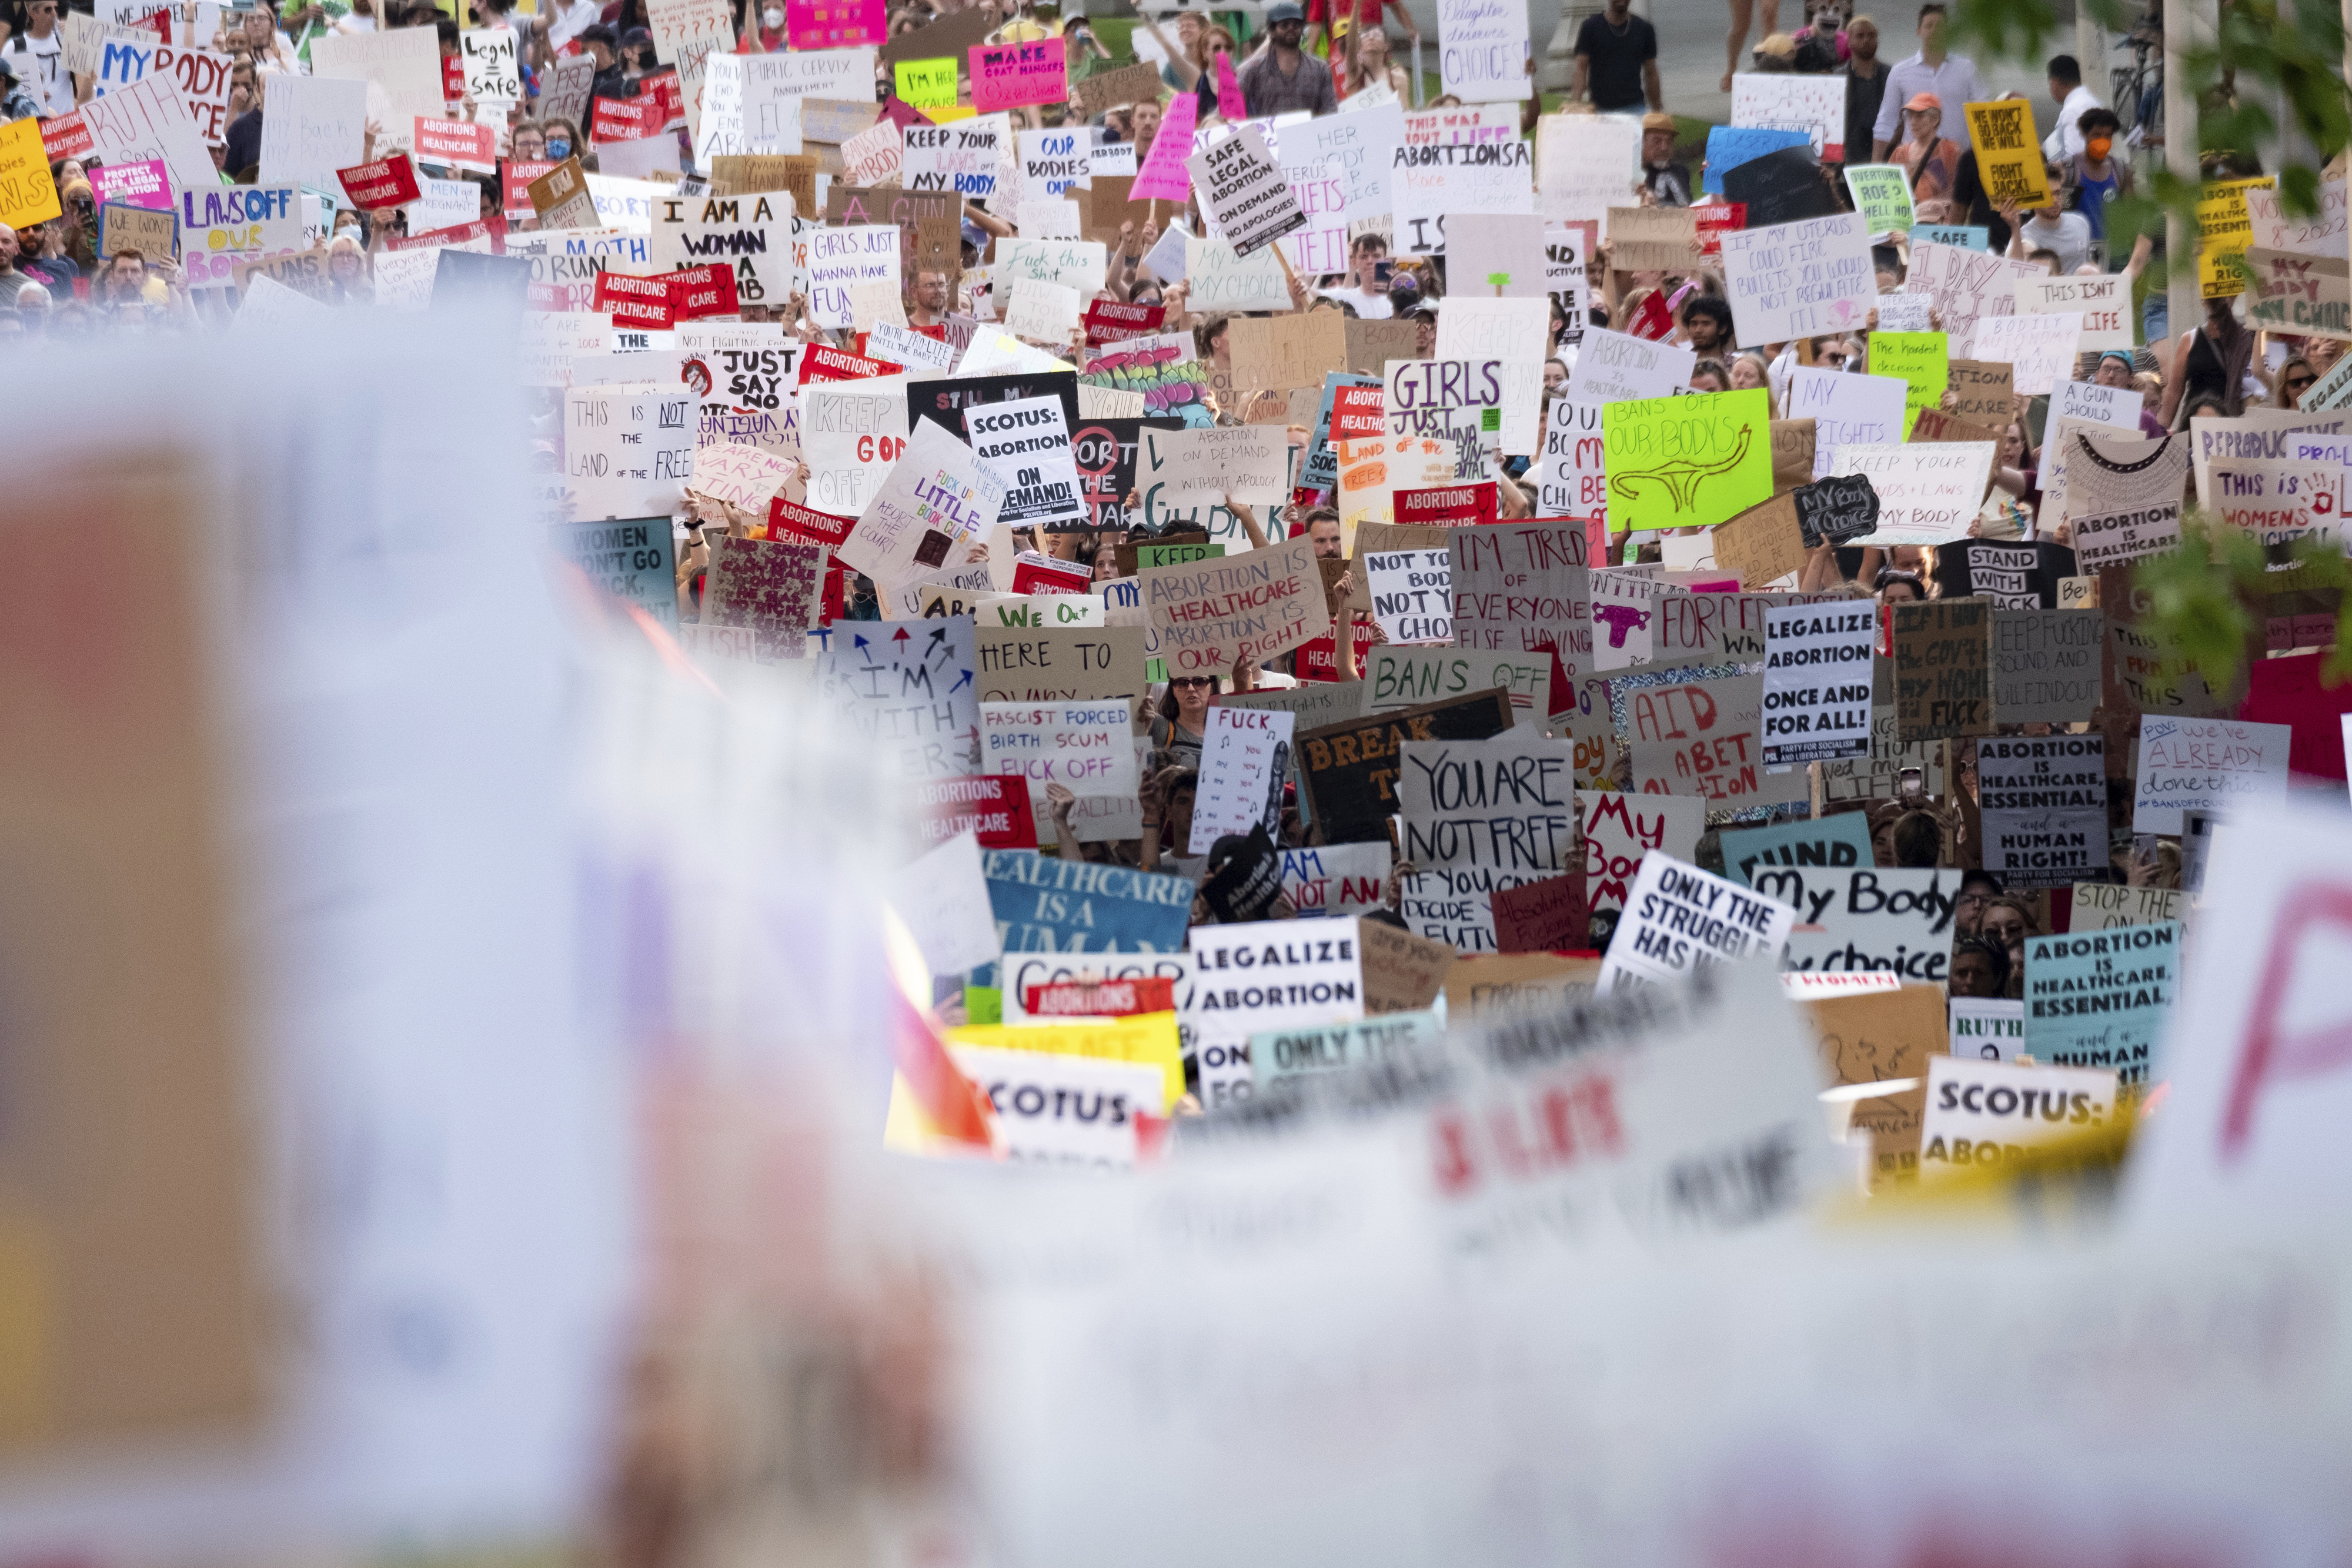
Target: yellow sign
point(926, 84)
point(1688, 462)
point(27, 195)
point(2008, 155)
point(2224, 230)
point(1149, 1039)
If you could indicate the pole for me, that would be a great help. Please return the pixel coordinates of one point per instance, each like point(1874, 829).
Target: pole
point(2090, 49)
point(2185, 298)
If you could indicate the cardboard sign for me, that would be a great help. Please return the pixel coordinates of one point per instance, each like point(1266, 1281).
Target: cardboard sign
point(2008, 152)
point(1007, 76)
point(1279, 353)
point(2045, 665)
point(768, 586)
point(2102, 999)
point(2102, 906)
point(1506, 803)
point(1059, 663)
point(2041, 350)
point(1519, 587)
point(2044, 801)
point(995, 807)
point(1835, 842)
point(1210, 615)
point(1678, 917)
point(1541, 917)
point(562, 199)
point(1943, 663)
point(1351, 769)
point(629, 558)
point(1402, 972)
point(1088, 747)
point(1653, 239)
point(1705, 738)
point(1683, 462)
point(2207, 765)
point(1618, 829)
point(1983, 1115)
point(142, 229)
point(1985, 393)
point(1817, 682)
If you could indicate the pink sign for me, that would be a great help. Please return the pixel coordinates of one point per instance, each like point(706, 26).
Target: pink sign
point(1007, 76)
point(1231, 105)
point(835, 24)
point(1162, 177)
point(141, 184)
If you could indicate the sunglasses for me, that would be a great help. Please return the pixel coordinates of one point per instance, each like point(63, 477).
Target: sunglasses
point(2296, 384)
point(1194, 681)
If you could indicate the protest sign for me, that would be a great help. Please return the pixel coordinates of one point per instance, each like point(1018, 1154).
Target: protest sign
point(2044, 801)
point(1059, 663)
point(1958, 236)
point(1943, 669)
point(1624, 612)
point(1922, 360)
point(315, 126)
point(132, 124)
point(2259, 435)
point(840, 259)
point(1847, 410)
point(386, 182)
point(1988, 1029)
point(2102, 999)
point(562, 198)
point(1397, 677)
point(403, 63)
point(1242, 190)
point(1350, 768)
point(1521, 587)
point(926, 84)
point(1981, 1114)
point(1108, 321)
point(1041, 312)
point(493, 69)
point(1244, 764)
point(1839, 510)
point(1212, 614)
point(1985, 393)
point(1007, 76)
point(1271, 975)
point(1586, 165)
point(905, 346)
point(1967, 286)
point(852, 435)
point(1653, 239)
point(1781, 187)
point(629, 558)
point(1447, 506)
point(2207, 765)
point(2040, 349)
point(1088, 747)
point(1812, 103)
point(1483, 53)
point(1797, 279)
point(995, 809)
point(201, 75)
point(938, 501)
point(1507, 252)
point(145, 183)
point(1490, 329)
point(1679, 462)
point(1817, 683)
point(2119, 408)
point(1792, 454)
point(908, 685)
point(1500, 399)
point(1613, 367)
point(1872, 919)
point(2278, 503)
point(1903, 312)
point(1411, 595)
point(1882, 194)
point(1222, 279)
point(2103, 303)
point(2301, 294)
point(1100, 908)
point(2102, 906)
point(1541, 917)
point(1836, 842)
point(1678, 917)
point(1402, 972)
point(1276, 1055)
point(1337, 880)
point(1929, 493)
point(1026, 445)
point(2094, 474)
point(1520, 992)
point(1617, 830)
point(1246, 463)
point(1279, 353)
point(1054, 1108)
point(1454, 905)
point(1506, 803)
point(2008, 152)
point(1705, 738)
point(2045, 665)
point(143, 229)
point(2145, 670)
point(1728, 147)
point(1105, 452)
point(768, 586)
point(2012, 576)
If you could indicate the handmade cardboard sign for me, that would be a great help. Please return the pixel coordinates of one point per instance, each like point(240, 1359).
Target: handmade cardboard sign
point(938, 496)
point(1705, 738)
point(1929, 493)
point(1943, 676)
point(1059, 663)
point(1678, 917)
point(908, 685)
point(1210, 615)
point(1871, 919)
point(2044, 801)
point(2101, 999)
point(1617, 830)
point(2045, 665)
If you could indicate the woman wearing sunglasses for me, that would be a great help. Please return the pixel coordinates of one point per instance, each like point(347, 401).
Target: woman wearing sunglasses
point(2295, 377)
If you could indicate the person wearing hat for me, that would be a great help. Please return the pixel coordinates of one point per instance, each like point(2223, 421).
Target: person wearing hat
point(37, 58)
point(1617, 62)
point(1776, 54)
point(2116, 369)
point(1666, 183)
point(1928, 157)
point(1952, 79)
point(16, 104)
point(1283, 78)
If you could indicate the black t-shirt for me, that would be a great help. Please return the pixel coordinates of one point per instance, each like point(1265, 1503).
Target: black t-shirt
point(244, 140)
point(1615, 74)
point(1862, 97)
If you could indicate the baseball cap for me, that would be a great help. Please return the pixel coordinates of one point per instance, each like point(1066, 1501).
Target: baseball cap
point(1284, 12)
point(635, 36)
point(1778, 45)
point(1924, 101)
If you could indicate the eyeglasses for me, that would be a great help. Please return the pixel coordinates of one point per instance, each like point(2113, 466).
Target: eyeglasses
point(1194, 681)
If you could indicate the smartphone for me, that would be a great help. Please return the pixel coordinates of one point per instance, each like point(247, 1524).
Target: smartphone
point(1911, 786)
point(1382, 271)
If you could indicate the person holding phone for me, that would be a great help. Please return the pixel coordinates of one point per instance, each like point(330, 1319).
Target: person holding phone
point(1368, 277)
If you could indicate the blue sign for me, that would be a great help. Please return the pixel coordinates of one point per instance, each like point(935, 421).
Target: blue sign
point(1729, 146)
point(1045, 905)
point(1968, 236)
point(2098, 998)
point(628, 558)
point(1840, 841)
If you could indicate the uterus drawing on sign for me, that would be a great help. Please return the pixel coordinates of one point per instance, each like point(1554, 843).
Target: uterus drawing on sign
point(1683, 476)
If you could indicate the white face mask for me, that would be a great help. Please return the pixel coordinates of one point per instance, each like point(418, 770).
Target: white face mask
point(772, 18)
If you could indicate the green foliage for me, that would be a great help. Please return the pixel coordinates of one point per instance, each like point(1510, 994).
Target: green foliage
point(2205, 595)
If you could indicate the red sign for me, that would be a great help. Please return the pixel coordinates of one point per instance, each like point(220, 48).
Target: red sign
point(1714, 220)
point(67, 136)
point(625, 119)
point(1102, 998)
point(1029, 577)
point(835, 603)
point(386, 182)
point(1447, 506)
point(453, 78)
point(461, 234)
point(1358, 414)
point(669, 102)
point(1653, 320)
point(1547, 917)
point(995, 807)
point(1108, 321)
point(699, 291)
point(634, 301)
point(820, 362)
point(457, 141)
point(518, 177)
point(1318, 660)
point(801, 525)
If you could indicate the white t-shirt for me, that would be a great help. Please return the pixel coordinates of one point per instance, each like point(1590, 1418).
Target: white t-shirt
point(1369, 306)
point(2070, 236)
point(41, 63)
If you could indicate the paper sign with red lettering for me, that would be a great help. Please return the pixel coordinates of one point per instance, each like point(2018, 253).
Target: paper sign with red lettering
point(458, 142)
point(1446, 505)
point(626, 118)
point(699, 291)
point(1037, 576)
point(386, 182)
point(1007, 76)
point(995, 808)
point(790, 520)
point(1705, 738)
point(634, 301)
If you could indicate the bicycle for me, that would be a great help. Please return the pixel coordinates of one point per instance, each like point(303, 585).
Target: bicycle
point(2138, 88)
